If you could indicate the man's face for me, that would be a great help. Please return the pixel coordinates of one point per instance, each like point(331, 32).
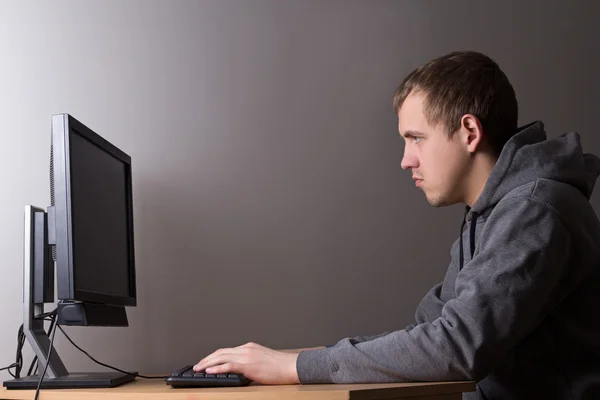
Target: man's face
point(438, 163)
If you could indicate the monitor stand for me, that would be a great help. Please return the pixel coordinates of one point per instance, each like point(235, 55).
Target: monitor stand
point(72, 381)
point(35, 272)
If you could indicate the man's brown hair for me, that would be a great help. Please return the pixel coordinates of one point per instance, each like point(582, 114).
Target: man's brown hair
point(464, 82)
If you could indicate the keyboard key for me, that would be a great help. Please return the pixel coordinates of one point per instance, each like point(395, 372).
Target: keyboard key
point(199, 375)
point(221, 375)
point(179, 372)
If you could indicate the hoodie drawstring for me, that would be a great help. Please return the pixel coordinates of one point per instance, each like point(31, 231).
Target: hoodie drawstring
point(471, 236)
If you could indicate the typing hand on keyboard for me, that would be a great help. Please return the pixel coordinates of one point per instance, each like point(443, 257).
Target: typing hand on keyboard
point(254, 362)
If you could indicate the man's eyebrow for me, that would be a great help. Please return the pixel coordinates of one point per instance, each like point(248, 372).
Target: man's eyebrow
point(411, 133)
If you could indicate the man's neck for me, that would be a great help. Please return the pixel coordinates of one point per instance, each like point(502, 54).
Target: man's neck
point(482, 168)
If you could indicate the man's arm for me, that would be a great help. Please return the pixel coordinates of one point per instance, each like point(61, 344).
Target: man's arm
point(515, 279)
point(268, 366)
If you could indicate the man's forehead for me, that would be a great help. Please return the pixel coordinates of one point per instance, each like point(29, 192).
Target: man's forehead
point(412, 106)
point(411, 116)
point(413, 103)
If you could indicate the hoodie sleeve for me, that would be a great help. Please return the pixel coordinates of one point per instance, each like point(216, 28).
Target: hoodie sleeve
point(515, 279)
point(360, 339)
point(430, 306)
point(429, 309)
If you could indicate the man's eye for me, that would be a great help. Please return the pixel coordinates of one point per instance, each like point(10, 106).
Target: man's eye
point(417, 139)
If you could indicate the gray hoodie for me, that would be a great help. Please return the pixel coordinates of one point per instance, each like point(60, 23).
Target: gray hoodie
point(519, 308)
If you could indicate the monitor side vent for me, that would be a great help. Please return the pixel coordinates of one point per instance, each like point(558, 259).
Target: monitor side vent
point(52, 188)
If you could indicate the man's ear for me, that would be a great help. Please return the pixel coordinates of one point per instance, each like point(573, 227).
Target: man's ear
point(472, 132)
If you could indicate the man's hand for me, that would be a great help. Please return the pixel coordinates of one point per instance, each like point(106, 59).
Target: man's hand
point(257, 363)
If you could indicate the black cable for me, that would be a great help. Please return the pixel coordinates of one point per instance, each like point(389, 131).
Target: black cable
point(46, 314)
point(106, 365)
point(18, 364)
point(19, 356)
point(52, 330)
point(21, 338)
point(37, 391)
point(10, 366)
point(35, 359)
point(33, 364)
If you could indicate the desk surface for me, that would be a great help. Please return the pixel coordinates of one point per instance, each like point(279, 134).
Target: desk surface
point(158, 390)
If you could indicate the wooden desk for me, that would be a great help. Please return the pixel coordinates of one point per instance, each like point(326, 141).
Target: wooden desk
point(158, 390)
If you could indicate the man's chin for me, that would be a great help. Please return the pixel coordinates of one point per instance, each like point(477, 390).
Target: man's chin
point(438, 201)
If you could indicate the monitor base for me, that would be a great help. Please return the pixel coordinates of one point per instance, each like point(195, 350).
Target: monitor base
point(72, 381)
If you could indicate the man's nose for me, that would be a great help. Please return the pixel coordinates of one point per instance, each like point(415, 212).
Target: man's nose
point(408, 161)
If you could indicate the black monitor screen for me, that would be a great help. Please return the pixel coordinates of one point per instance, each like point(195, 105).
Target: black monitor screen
point(99, 219)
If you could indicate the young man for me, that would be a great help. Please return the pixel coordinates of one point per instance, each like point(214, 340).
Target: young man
point(518, 310)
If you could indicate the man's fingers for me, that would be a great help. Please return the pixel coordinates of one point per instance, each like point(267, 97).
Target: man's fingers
point(234, 355)
point(222, 358)
point(223, 368)
point(216, 353)
point(210, 361)
point(219, 353)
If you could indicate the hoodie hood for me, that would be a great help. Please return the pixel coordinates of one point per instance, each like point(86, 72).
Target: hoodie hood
point(529, 156)
point(526, 157)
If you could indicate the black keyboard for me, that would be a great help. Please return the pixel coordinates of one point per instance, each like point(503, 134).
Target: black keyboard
point(186, 377)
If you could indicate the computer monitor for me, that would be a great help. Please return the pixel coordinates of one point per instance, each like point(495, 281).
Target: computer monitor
point(88, 231)
point(91, 191)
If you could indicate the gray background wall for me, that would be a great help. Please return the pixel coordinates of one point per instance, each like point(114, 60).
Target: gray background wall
point(267, 179)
